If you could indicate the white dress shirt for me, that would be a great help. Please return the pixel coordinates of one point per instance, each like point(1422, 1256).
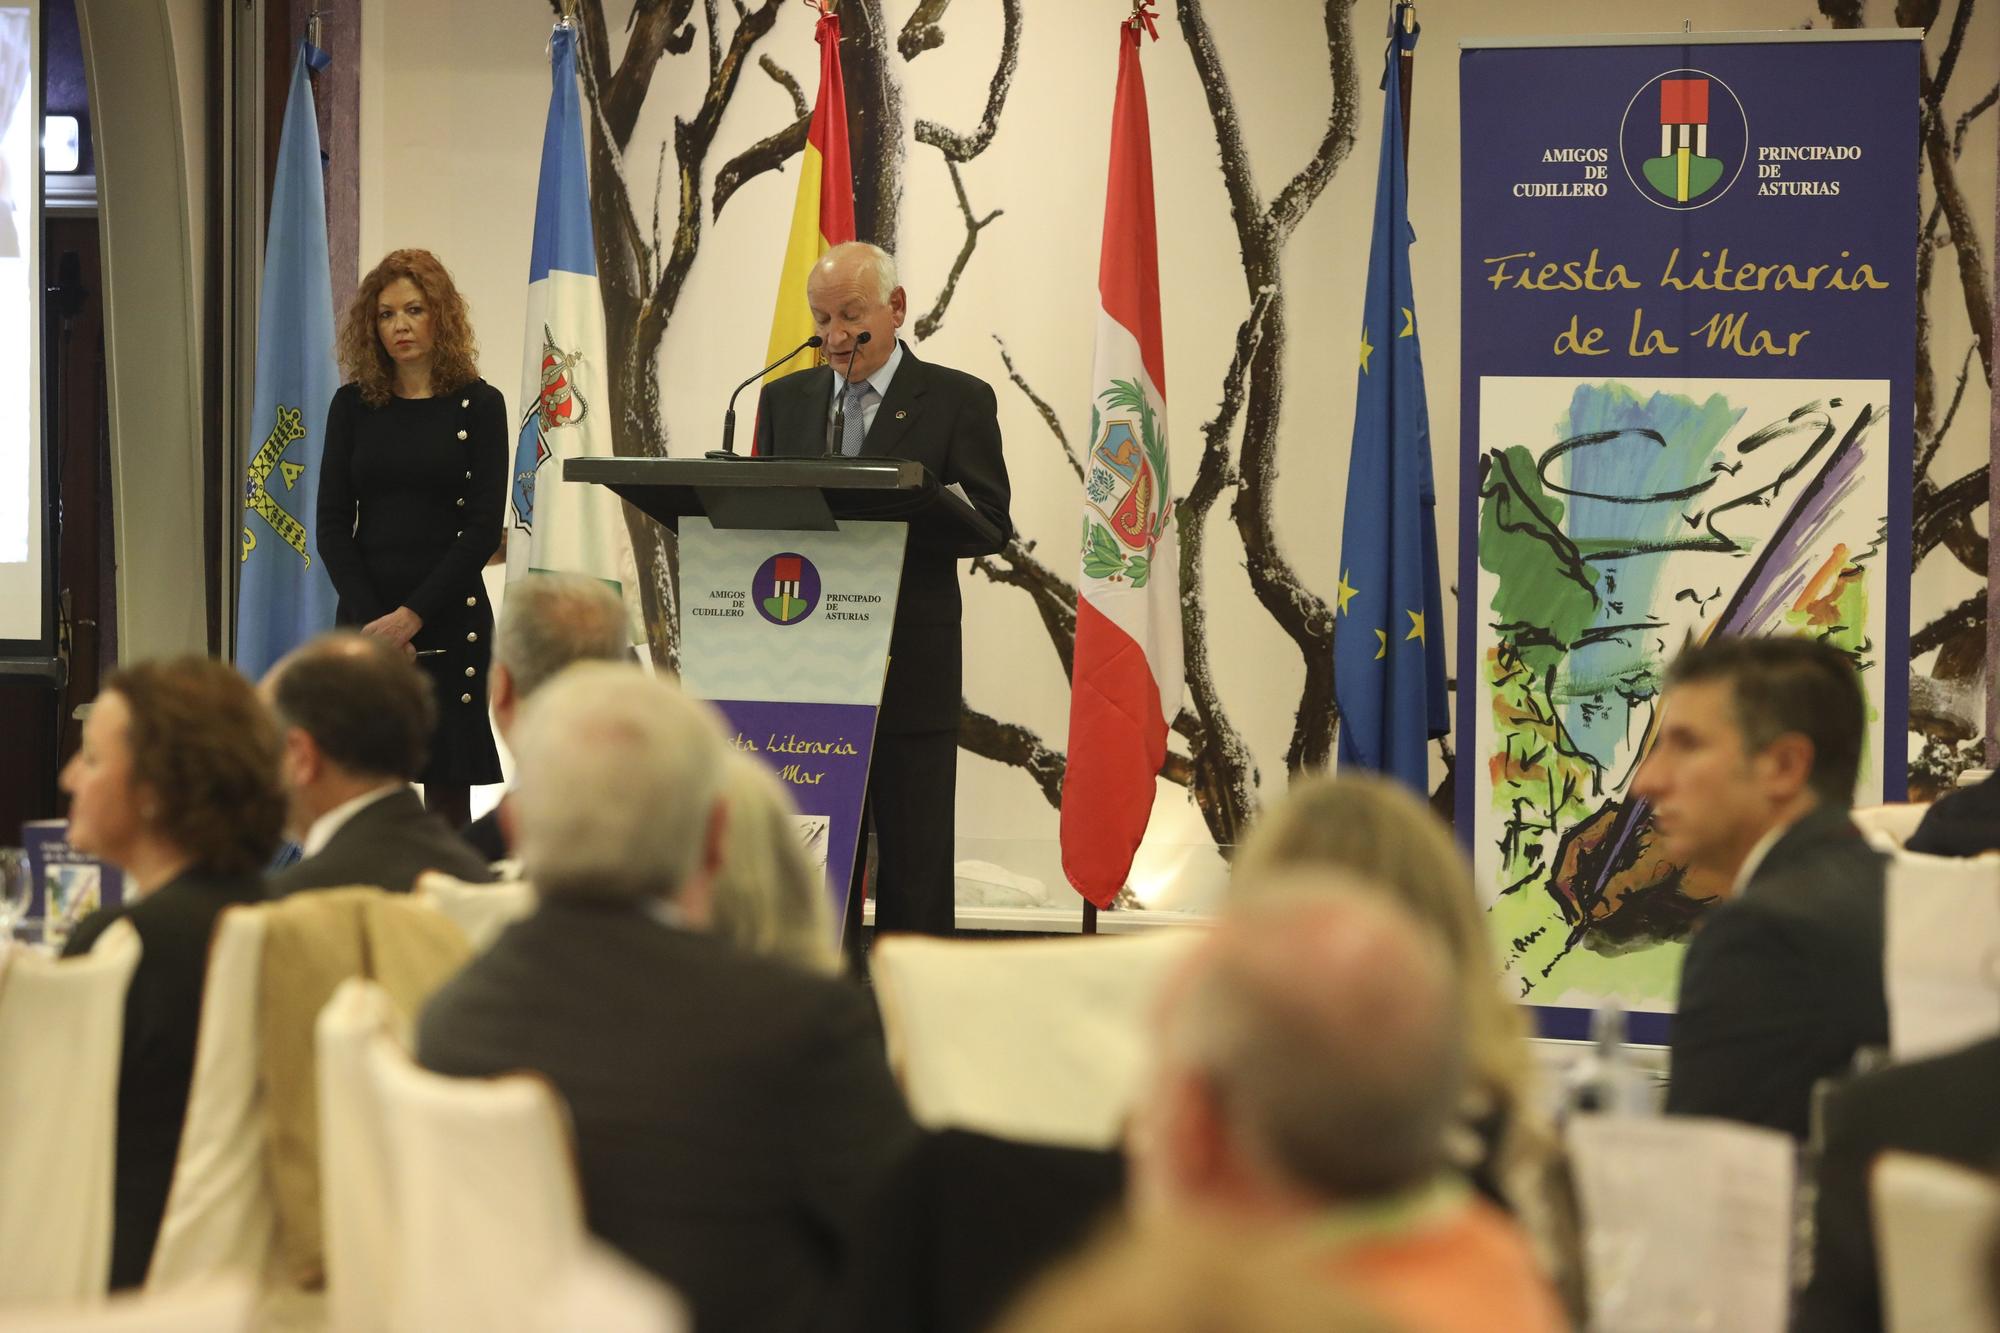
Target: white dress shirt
point(330, 823)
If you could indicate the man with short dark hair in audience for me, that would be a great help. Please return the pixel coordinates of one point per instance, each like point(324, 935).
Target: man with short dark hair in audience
point(732, 1111)
point(1750, 780)
point(1947, 1106)
point(1309, 1068)
point(547, 622)
point(1965, 822)
point(356, 717)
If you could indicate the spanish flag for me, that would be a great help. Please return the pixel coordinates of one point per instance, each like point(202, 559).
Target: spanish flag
point(823, 217)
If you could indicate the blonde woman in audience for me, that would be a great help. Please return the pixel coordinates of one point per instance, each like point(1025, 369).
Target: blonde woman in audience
point(769, 897)
point(1387, 835)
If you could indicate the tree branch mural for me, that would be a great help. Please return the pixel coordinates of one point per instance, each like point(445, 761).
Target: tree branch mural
point(641, 273)
point(648, 242)
point(1944, 705)
point(1218, 768)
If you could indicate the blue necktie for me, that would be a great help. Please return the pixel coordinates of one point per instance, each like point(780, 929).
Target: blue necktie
point(854, 424)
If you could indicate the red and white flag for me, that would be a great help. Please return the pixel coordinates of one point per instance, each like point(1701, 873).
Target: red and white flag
point(1126, 683)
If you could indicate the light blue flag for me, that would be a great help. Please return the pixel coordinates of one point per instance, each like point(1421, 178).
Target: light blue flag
point(1388, 654)
point(284, 596)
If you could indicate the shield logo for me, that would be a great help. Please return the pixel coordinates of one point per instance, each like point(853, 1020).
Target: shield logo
point(557, 405)
point(1121, 486)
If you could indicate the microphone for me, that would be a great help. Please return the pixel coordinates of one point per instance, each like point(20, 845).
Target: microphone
point(833, 440)
point(728, 449)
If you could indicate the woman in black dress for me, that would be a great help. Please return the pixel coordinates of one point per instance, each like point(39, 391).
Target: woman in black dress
point(411, 498)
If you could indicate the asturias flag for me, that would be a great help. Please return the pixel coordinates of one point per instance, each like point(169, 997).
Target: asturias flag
point(284, 596)
point(559, 527)
point(1388, 655)
point(1125, 686)
point(823, 215)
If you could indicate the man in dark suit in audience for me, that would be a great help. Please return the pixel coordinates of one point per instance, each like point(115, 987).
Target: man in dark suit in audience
point(356, 717)
point(732, 1112)
point(1948, 1107)
point(900, 407)
point(1750, 780)
point(1965, 822)
point(547, 622)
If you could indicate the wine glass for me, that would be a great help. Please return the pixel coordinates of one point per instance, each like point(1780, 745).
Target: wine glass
point(15, 889)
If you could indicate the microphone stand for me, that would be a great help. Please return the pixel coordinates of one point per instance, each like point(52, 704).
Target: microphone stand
point(728, 449)
point(833, 439)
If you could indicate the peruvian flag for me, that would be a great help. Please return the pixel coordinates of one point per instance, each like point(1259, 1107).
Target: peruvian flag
point(823, 209)
point(1126, 684)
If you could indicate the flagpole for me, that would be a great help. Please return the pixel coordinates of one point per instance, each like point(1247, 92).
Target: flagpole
point(1139, 20)
point(1407, 14)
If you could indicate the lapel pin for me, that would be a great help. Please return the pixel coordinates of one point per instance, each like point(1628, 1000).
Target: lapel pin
point(900, 414)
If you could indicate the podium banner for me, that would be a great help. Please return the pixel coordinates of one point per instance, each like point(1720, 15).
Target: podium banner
point(787, 634)
point(1689, 329)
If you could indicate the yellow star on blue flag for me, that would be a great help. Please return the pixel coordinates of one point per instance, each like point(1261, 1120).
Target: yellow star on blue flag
point(1391, 697)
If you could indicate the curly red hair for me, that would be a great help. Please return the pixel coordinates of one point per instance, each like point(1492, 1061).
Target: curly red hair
point(454, 353)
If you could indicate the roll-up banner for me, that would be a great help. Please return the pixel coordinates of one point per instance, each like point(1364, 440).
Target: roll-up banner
point(1689, 323)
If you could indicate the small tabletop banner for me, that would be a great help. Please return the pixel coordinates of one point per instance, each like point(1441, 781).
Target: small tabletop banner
point(787, 634)
point(1689, 343)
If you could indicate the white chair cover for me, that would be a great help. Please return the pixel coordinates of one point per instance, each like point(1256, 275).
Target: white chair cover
point(220, 1216)
point(62, 1027)
point(1687, 1223)
point(1039, 1040)
point(1934, 1228)
point(360, 1224)
point(607, 1293)
point(221, 1306)
point(481, 911)
point(485, 1189)
point(1888, 827)
point(1942, 935)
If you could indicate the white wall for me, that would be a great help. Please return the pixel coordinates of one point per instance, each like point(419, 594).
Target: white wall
point(454, 96)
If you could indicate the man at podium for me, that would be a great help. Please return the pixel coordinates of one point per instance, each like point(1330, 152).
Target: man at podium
point(889, 404)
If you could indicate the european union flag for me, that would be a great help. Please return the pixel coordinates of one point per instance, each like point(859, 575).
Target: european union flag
point(284, 595)
point(1388, 655)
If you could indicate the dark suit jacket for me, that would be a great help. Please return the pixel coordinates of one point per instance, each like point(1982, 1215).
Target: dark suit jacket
point(485, 835)
point(1961, 823)
point(1783, 984)
point(948, 421)
point(162, 1016)
point(968, 1223)
point(387, 844)
point(1945, 1107)
point(733, 1114)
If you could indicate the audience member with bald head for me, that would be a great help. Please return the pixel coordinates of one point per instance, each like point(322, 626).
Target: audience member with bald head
point(732, 1111)
point(1390, 839)
point(355, 717)
point(1309, 1067)
point(547, 622)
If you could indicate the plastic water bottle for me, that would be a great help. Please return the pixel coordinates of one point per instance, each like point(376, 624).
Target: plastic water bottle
point(1606, 1080)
